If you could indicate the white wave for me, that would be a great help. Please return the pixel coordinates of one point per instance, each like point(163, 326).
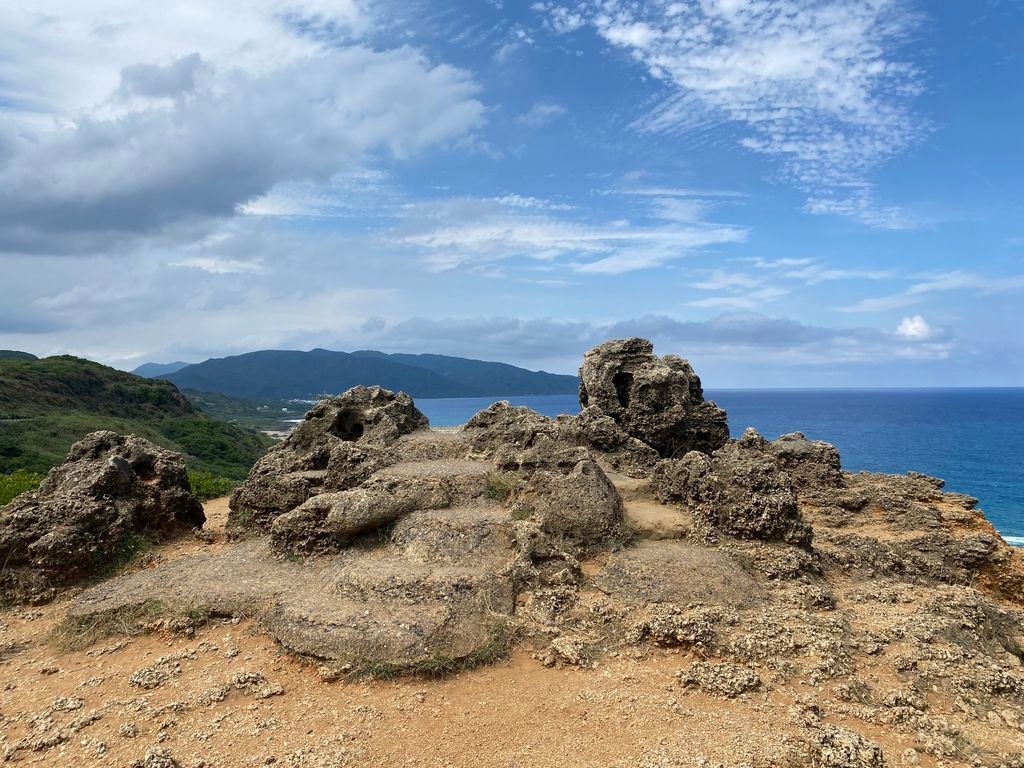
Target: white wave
point(1014, 541)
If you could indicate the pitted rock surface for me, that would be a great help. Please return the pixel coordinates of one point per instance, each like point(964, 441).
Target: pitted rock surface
point(90, 512)
point(658, 401)
point(339, 444)
point(740, 490)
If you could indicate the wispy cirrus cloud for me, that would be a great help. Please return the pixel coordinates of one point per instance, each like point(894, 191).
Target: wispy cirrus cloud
point(820, 87)
point(471, 232)
point(957, 280)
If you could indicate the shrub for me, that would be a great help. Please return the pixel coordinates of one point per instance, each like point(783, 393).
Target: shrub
point(206, 485)
point(499, 486)
point(17, 483)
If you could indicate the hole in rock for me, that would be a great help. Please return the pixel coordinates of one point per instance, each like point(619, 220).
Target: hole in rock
point(144, 469)
point(348, 425)
point(622, 381)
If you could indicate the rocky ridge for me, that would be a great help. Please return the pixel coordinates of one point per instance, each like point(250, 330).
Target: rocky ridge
point(368, 542)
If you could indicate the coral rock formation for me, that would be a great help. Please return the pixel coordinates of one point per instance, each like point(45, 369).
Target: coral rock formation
point(740, 490)
point(338, 445)
point(658, 401)
point(90, 512)
point(877, 600)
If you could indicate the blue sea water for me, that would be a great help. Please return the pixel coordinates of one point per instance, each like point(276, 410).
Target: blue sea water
point(973, 438)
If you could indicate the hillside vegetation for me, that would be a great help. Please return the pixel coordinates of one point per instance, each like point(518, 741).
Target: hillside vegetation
point(12, 354)
point(46, 405)
point(276, 374)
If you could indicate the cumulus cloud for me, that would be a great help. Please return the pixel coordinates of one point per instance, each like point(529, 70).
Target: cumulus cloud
point(179, 141)
point(820, 87)
point(215, 151)
point(153, 81)
point(914, 328)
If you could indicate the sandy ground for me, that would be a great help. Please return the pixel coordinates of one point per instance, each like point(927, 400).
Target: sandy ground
point(228, 696)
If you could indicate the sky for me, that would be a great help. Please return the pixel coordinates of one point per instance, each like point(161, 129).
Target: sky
point(824, 193)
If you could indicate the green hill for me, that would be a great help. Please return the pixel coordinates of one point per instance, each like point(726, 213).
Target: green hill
point(46, 405)
point(12, 354)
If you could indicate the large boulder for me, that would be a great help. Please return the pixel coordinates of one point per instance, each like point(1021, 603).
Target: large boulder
point(812, 464)
point(340, 443)
point(740, 490)
point(658, 401)
point(572, 499)
point(516, 437)
point(111, 494)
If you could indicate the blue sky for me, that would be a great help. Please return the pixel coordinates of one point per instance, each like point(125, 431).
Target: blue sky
point(788, 193)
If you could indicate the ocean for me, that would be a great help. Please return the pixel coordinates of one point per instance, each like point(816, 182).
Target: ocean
point(972, 438)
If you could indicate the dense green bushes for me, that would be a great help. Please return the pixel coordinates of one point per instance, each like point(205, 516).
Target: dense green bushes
point(46, 405)
point(206, 486)
point(17, 483)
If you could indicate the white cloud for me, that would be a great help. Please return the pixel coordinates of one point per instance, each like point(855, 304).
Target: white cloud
point(819, 87)
point(957, 280)
point(466, 232)
point(746, 337)
point(157, 141)
point(541, 114)
point(718, 280)
point(914, 328)
point(218, 266)
point(752, 301)
point(65, 57)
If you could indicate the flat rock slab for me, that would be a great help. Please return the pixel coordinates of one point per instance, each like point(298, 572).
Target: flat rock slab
point(469, 535)
point(652, 520)
point(433, 444)
point(370, 606)
point(675, 572)
point(437, 468)
point(447, 481)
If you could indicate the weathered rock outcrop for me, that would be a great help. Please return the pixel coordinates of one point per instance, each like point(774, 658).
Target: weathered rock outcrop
point(811, 464)
point(515, 436)
point(658, 401)
point(91, 513)
point(740, 490)
point(338, 445)
point(404, 548)
point(572, 498)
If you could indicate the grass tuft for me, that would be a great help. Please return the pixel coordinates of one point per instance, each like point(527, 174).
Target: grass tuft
point(74, 634)
point(17, 483)
point(499, 486)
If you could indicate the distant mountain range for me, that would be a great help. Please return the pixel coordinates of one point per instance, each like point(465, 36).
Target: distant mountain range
point(11, 354)
point(293, 374)
point(156, 370)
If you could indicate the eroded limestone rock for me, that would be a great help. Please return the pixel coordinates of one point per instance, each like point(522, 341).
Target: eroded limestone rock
point(578, 503)
point(658, 401)
point(90, 513)
point(740, 490)
point(340, 443)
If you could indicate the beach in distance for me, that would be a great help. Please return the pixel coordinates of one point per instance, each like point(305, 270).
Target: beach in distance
point(973, 438)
